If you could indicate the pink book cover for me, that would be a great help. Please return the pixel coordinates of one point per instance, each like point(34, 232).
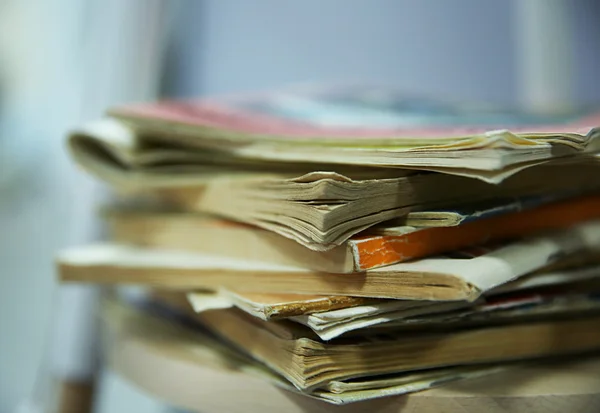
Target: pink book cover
point(356, 113)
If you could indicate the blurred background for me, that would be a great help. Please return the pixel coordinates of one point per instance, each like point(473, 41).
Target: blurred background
point(62, 62)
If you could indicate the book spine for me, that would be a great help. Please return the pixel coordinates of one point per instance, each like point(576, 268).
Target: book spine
point(377, 251)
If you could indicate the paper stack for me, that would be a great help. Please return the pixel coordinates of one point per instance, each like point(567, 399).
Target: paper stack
point(352, 244)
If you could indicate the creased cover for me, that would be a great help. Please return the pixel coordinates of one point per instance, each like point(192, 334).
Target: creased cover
point(349, 127)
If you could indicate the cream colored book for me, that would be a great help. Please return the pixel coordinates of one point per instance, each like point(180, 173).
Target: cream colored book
point(276, 306)
point(138, 345)
point(320, 207)
point(462, 275)
point(309, 363)
point(375, 247)
point(485, 314)
point(187, 382)
point(200, 374)
point(541, 295)
point(350, 128)
point(190, 380)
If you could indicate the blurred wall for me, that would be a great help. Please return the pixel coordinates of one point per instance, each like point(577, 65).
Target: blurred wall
point(586, 50)
point(460, 48)
point(463, 49)
point(41, 200)
point(66, 61)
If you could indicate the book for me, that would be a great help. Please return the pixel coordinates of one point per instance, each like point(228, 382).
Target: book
point(198, 372)
point(140, 343)
point(460, 275)
point(323, 208)
point(276, 306)
point(373, 248)
point(508, 304)
point(308, 363)
point(516, 309)
point(391, 131)
point(566, 274)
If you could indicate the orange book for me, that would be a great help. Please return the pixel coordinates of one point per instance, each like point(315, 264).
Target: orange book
point(380, 247)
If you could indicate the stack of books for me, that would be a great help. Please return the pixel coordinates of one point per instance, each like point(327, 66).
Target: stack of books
point(346, 244)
